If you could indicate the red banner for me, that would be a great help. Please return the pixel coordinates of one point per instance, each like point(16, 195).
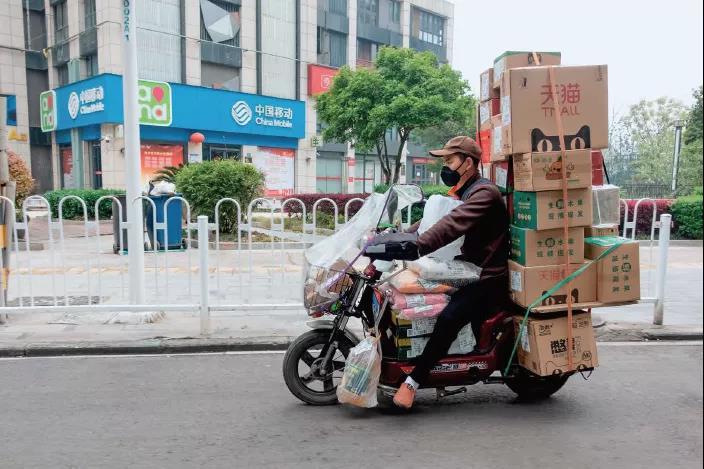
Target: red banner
point(320, 79)
point(157, 156)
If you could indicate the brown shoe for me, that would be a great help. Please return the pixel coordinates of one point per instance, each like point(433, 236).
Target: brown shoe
point(404, 396)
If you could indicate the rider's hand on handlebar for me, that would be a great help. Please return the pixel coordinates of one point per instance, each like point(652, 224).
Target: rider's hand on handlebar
point(393, 246)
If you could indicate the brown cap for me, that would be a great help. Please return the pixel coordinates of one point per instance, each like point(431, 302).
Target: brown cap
point(460, 144)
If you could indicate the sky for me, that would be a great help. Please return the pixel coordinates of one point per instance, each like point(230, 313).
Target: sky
point(652, 48)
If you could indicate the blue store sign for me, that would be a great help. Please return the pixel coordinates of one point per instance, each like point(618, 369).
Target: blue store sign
point(98, 100)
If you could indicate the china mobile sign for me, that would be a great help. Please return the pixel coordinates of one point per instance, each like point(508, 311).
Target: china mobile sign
point(266, 115)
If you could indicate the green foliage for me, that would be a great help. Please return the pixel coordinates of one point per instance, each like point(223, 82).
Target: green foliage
point(650, 125)
point(19, 172)
point(690, 171)
point(72, 209)
point(407, 90)
point(694, 120)
point(687, 215)
point(168, 174)
point(203, 184)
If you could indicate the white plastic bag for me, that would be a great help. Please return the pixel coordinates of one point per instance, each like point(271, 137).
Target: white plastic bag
point(361, 376)
point(450, 272)
point(437, 207)
point(606, 202)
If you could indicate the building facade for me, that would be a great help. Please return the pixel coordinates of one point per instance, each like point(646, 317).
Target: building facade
point(242, 73)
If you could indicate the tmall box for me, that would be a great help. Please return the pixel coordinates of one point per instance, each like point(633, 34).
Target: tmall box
point(502, 176)
point(532, 248)
point(530, 283)
point(528, 111)
point(543, 210)
point(534, 172)
point(487, 90)
point(515, 59)
point(618, 273)
point(543, 345)
point(597, 231)
point(597, 168)
point(497, 153)
point(487, 110)
point(484, 140)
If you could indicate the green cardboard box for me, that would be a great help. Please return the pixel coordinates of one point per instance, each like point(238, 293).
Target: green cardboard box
point(533, 248)
point(543, 210)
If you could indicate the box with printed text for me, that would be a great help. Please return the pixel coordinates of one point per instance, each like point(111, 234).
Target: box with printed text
point(535, 172)
point(527, 284)
point(532, 248)
point(544, 210)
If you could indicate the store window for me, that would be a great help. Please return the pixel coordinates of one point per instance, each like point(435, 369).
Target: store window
point(159, 40)
point(366, 174)
point(216, 152)
point(329, 175)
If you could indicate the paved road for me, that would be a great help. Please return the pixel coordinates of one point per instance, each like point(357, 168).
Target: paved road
point(642, 408)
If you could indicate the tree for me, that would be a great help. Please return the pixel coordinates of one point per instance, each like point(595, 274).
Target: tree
point(647, 133)
point(406, 91)
point(438, 135)
point(690, 172)
point(694, 120)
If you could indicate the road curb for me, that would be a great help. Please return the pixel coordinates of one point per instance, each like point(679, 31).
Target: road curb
point(610, 332)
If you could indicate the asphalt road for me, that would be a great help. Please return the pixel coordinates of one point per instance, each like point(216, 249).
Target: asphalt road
point(641, 408)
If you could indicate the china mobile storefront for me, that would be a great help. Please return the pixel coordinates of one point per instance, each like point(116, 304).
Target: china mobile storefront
point(179, 124)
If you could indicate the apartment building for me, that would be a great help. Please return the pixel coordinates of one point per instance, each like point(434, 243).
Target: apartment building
point(240, 75)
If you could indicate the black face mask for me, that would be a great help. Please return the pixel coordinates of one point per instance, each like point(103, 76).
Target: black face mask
point(449, 177)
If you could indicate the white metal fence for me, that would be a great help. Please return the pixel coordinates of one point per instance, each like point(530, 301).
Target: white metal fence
point(67, 266)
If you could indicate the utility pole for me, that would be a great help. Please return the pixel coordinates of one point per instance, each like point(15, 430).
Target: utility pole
point(133, 170)
point(676, 160)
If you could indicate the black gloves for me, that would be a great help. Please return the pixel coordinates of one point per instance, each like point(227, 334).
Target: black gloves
point(394, 246)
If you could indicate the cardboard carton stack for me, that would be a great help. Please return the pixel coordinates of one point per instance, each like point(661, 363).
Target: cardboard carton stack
point(526, 162)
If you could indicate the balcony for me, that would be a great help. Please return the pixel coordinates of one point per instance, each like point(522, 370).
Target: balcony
point(333, 21)
point(222, 54)
point(374, 33)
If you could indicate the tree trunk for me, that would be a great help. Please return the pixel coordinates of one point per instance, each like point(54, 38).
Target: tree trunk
point(383, 161)
point(397, 161)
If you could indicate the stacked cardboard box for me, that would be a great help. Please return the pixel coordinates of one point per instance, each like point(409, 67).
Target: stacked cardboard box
point(410, 337)
point(528, 166)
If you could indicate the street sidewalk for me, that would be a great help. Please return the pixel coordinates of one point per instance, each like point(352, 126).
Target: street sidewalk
point(61, 334)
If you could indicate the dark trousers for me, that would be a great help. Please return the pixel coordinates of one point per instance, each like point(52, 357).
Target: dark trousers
point(473, 303)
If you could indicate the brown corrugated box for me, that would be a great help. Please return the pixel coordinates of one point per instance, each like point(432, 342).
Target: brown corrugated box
point(617, 274)
point(528, 119)
point(535, 172)
point(527, 284)
point(543, 347)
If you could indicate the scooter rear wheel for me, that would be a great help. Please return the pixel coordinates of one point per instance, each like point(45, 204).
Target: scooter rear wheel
point(529, 387)
point(301, 368)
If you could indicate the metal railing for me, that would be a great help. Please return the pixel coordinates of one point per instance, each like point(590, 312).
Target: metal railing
point(255, 267)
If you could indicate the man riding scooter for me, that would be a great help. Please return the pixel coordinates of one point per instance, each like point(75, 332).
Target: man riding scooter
point(483, 221)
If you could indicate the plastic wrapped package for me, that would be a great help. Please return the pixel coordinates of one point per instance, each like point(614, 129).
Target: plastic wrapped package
point(361, 376)
point(408, 282)
point(403, 301)
point(323, 286)
point(450, 272)
point(437, 207)
point(606, 202)
point(421, 312)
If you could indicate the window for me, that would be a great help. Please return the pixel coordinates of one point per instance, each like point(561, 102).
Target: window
point(220, 76)
point(368, 11)
point(62, 74)
point(338, 7)
point(329, 175)
point(89, 11)
point(332, 48)
point(366, 53)
point(60, 22)
point(220, 22)
point(428, 27)
point(158, 42)
point(395, 12)
point(91, 63)
point(277, 34)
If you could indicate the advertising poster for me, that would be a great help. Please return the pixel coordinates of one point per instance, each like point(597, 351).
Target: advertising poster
point(67, 167)
point(277, 166)
point(157, 156)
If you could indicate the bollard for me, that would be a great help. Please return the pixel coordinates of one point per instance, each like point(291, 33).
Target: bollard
point(203, 269)
point(661, 273)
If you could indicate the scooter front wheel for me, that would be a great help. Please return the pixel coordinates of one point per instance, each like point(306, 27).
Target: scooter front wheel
point(307, 375)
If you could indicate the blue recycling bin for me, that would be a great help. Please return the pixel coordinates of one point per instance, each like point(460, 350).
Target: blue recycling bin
point(173, 234)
